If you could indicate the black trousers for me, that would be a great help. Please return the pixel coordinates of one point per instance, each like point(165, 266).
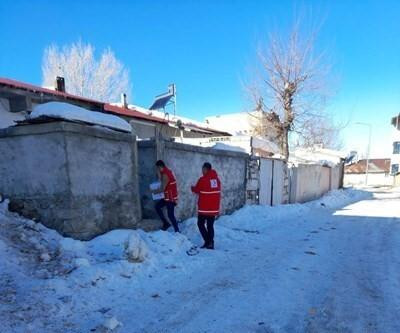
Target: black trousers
point(171, 213)
point(207, 233)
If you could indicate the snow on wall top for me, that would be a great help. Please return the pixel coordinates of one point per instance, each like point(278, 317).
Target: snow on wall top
point(75, 113)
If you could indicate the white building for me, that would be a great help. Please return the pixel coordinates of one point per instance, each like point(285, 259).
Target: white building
point(378, 173)
point(395, 158)
point(240, 123)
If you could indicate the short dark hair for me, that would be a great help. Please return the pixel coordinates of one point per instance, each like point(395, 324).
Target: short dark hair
point(160, 163)
point(207, 166)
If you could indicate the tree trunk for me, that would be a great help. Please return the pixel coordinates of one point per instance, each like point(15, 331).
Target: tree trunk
point(285, 143)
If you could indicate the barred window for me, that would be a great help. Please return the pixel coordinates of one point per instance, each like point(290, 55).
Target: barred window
point(395, 169)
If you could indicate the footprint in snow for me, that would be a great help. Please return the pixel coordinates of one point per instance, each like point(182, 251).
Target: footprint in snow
point(310, 252)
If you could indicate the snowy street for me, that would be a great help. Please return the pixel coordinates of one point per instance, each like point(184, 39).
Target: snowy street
point(332, 265)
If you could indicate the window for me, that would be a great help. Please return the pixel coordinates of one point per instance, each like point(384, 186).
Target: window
point(395, 169)
point(396, 147)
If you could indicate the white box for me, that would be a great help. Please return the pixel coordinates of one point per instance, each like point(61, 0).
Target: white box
point(156, 186)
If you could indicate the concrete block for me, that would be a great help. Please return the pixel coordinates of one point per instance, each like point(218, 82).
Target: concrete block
point(78, 179)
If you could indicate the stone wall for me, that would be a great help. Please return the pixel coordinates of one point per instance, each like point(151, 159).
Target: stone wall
point(186, 162)
point(267, 181)
point(80, 180)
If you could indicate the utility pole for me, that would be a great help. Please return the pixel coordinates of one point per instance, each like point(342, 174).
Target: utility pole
point(368, 149)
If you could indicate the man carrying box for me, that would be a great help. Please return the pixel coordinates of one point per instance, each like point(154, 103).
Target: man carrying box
point(170, 190)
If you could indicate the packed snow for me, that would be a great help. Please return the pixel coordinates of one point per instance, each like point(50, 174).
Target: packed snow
point(330, 265)
point(72, 112)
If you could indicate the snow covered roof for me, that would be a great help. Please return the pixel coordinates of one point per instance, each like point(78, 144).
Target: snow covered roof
point(133, 111)
point(70, 112)
point(375, 165)
point(317, 155)
point(159, 116)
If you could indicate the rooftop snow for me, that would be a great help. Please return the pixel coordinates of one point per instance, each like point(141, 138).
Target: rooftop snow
point(71, 112)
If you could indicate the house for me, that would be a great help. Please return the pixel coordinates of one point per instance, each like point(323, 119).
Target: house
point(395, 159)
point(17, 100)
point(254, 123)
point(317, 155)
point(240, 123)
point(378, 172)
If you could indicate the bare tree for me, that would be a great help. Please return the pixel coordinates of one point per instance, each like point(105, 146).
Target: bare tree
point(103, 79)
point(291, 85)
point(323, 132)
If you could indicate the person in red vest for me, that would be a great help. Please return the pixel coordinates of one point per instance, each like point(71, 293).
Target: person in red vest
point(170, 190)
point(208, 188)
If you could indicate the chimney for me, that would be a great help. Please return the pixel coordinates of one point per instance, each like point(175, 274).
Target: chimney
point(123, 100)
point(60, 84)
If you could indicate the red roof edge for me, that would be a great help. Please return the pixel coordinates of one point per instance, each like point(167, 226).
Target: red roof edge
point(131, 113)
point(38, 89)
point(106, 107)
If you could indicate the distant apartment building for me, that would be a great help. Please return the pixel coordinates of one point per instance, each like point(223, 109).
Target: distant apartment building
point(395, 158)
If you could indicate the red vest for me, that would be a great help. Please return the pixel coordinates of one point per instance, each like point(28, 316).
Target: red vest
point(208, 188)
point(171, 191)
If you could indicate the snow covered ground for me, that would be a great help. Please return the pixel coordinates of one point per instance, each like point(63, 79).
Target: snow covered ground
point(332, 265)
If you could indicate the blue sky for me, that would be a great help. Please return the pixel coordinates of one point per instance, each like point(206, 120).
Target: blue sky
point(207, 47)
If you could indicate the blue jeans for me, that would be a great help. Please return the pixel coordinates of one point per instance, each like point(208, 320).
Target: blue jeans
point(171, 214)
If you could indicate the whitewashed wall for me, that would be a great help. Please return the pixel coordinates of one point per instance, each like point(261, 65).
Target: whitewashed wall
point(311, 181)
point(374, 179)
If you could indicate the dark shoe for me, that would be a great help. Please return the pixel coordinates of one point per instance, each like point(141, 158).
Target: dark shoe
point(210, 246)
point(204, 246)
point(165, 227)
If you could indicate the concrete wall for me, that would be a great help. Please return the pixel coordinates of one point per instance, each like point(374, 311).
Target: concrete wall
point(186, 162)
point(77, 179)
point(336, 177)
point(374, 179)
point(309, 182)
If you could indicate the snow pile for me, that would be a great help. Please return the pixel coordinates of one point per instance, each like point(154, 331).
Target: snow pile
point(72, 112)
point(136, 249)
point(8, 118)
point(339, 198)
